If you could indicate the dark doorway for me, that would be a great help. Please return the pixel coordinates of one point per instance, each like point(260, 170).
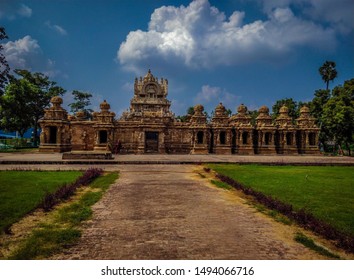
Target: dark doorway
point(103, 136)
point(151, 142)
point(289, 138)
point(312, 139)
point(53, 134)
point(200, 136)
point(222, 137)
point(245, 138)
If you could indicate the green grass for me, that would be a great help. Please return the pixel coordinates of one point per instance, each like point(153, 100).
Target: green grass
point(309, 243)
point(63, 230)
point(22, 191)
point(221, 185)
point(325, 191)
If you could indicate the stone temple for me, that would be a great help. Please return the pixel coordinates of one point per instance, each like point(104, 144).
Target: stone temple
point(150, 127)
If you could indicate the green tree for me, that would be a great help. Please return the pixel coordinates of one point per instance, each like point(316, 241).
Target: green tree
point(288, 102)
point(316, 108)
point(24, 101)
point(82, 100)
point(186, 118)
point(253, 114)
point(338, 115)
point(14, 112)
point(4, 66)
point(328, 72)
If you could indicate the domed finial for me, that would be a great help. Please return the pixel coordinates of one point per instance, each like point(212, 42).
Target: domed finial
point(56, 101)
point(104, 106)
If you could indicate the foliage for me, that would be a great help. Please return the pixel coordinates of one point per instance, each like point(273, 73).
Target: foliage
point(316, 107)
point(21, 191)
point(4, 66)
point(328, 72)
point(25, 99)
point(62, 229)
point(253, 114)
point(82, 101)
point(308, 195)
point(338, 114)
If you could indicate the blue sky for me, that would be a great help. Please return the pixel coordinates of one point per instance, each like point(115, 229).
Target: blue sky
point(237, 51)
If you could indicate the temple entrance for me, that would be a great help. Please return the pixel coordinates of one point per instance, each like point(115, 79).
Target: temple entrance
point(151, 142)
point(103, 137)
point(53, 134)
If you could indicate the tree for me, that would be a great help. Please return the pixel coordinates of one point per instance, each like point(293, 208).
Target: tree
point(4, 66)
point(253, 114)
point(186, 118)
point(15, 114)
point(82, 101)
point(338, 114)
point(24, 101)
point(316, 108)
point(328, 72)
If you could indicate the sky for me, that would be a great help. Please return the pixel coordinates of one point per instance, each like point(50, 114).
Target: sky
point(231, 51)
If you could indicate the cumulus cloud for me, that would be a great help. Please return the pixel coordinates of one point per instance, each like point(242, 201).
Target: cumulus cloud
point(57, 28)
point(211, 96)
point(26, 53)
point(20, 53)
point(201, 36)
point(338, 13)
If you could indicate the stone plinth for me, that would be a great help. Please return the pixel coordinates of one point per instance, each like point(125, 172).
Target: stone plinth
point(88, 155)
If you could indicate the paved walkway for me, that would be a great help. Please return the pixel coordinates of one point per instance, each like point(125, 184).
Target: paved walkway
point(170, 212)
point(56, 158)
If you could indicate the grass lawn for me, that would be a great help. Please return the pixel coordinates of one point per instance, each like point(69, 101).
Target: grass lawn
point(22, 191)
point(62, 228)
point(325, 191)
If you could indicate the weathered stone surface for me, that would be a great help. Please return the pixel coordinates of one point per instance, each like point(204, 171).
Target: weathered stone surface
point(169, 212)
point(150, 127)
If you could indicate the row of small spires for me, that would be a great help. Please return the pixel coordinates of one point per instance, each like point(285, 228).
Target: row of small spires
point(198, 109)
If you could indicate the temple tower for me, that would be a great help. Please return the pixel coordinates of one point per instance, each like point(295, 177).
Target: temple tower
point(265, 132)
point(221, 135)
point(243, 131)
point(55, 135)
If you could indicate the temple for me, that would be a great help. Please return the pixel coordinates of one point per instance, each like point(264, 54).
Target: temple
point(149, 126)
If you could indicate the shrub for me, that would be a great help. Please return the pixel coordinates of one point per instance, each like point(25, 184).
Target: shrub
point(67, 190)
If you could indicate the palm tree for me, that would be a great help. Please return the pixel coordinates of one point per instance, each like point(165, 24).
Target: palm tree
point(328, 72)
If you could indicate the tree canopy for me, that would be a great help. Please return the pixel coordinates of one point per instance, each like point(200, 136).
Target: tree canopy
point(4, 66)
point(82, 100)
point(338, 114)
point(24, 101)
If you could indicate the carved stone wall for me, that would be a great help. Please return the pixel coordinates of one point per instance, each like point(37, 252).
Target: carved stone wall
point(150, 127)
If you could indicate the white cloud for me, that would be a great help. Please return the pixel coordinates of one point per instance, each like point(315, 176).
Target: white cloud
point(201, 36)
point(212, 96)
point(24, 11)
point(57, 28)
point(338, 13)
point(26, 53)
point(21, 52)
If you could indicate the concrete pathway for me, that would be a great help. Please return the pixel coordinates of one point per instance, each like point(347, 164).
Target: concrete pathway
point(7, 159)
point(170, 212)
